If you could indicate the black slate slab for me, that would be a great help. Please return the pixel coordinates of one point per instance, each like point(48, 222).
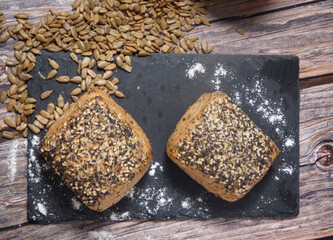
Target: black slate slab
point(159, 90)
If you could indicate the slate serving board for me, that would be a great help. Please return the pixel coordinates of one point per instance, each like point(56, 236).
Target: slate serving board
point(159, 90)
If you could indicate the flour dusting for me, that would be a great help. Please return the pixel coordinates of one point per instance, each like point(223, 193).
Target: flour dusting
point(289, 142)
point(35, 140)
point(131, 192)
point(186, 204)
point(76, 203)
point(287, 169)
point(42, 209)
point(152, 199)
point(219, 72)
point(123, 216)
point(101, 235)
point(154, 167)
point(12, 161)
point(195, 68)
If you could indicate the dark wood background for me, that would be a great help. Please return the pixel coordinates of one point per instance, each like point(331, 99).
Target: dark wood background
point(297, 27)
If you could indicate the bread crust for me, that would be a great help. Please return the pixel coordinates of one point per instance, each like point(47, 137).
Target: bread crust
point(212, 169)
point(116, 155)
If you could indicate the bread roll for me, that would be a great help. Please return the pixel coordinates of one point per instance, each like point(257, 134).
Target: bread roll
point(220, 147)
point(97, 149)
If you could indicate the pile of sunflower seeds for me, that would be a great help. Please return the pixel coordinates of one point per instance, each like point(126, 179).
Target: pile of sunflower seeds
point(4, 35)
point(106, 33)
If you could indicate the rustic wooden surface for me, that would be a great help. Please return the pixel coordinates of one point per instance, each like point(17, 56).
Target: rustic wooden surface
point(299, 27)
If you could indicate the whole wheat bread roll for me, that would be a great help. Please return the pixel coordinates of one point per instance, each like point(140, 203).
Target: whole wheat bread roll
point(220, 147)
point(97, 149)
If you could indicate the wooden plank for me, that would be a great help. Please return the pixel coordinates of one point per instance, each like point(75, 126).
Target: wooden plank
point(221, 9)
point(305, 31)
point(310, 82)
point(316, 209)
point(13, 181)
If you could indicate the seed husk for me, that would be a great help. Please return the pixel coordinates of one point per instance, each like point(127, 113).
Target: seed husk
point(41, 119)
point(240, 31)
point(63, 79)
point(110, 67)
point(11, 104)
point(50, 108)
point(28, 112)
point(74, 57)
point(30, 100)
point(49, 124)
point(127, 67)
point(91, 73)
point(34, 128)
point(22, 88)
point(4, 37)
point(115, 81)
point(22, 126)
point(60, 101)
point(204, 46)
point(18, 120)
point(11, 78)
point(119, 94)
point(66, 107)
point(11, 62)
point(56, 115)
point(31, 66)
point(21, 15)
point(28, 106)
point(74, 98)
point(210, 49)
point(45, 114)
point(107, 74)
point(38, 124)
point(3, 97)
point(119, 62)
point(12, 90)
point(53, 64)
point(205, 21)
point(76, 91)
point(24, 76)
point(92, 63)
point(52, 74)
point(10, 122)
point(25, 133)
point(8, 135)
point(46, 94)
point(31, 57)
point(41, 38)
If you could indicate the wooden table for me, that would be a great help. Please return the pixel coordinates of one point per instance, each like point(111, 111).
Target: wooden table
point(298, 27)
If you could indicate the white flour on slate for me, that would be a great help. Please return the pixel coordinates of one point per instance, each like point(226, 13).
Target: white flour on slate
point(219, 73)
point(42, 209)
point(154, 167)
point(123, 216)
point(76, 203)
point(194, 69)
point(186, 203)
point(289, 142)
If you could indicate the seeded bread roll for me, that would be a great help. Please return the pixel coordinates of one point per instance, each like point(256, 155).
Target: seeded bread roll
point(97, 149)
point(220, 147)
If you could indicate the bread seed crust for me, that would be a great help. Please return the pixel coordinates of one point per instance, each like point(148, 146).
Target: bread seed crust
point(224, 145)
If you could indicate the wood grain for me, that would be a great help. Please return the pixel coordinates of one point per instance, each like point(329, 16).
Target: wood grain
point(299, 27)
point(302, 28)
point(223, 9)
point(305, 31)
